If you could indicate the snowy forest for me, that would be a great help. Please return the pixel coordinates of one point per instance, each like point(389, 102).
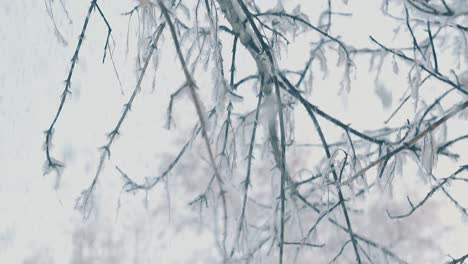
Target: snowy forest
point(234, 131)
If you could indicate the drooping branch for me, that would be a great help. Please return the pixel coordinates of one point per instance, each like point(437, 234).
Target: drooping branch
point(431, 72)
point(338, 188)
point(246, 182)
point(252, 39)
point(198, 106)
point(409, 143)
point(447, 144)
point(359, 237)
point(83, 203)
point(459, 260)
point(190, 82)
point(53, 164)
point(308, 105)
point(301, 20)
point(428, 195)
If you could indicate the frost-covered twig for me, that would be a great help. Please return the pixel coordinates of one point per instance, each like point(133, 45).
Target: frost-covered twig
point(50, 12)
point(431, 72)
point(426, 7)
point(447, 144)
point(273, 71)
point(319, 219)
point(130, 185)
point(312, 56)
point(83, 201)
point(171, 103)
point(408, 144)
point(53, 164)
point(192, 86)
point(359, 237)
point(459, 260)
point(304, 244)
point(428, 195)
point(338, 188)
point(308, 105)
point(246, 182)
point(333, 260)
point(413, 37)
point(303, 21)
point(109, 31)
point(253, 40)
point(431, 40)
point(428, 110)
point(462, 209)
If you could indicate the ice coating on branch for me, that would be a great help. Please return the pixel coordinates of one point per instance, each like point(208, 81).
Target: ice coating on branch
point(345, 83)
point(240, 24)
point(395, 67)
point(221, 87)
point(362, 180)
point(269, 109)
point(219, 91)
point(387, 170)
point(384, 94)
point(278, 7)
point(414, 83)
point(144, 3)
point(236, 17)
point(429, 152)
point(463, 114)
point(463, 79)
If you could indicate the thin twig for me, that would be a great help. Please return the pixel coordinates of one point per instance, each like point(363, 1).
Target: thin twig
point(408, 144)
point(246, 182)
point(83, 201)
point(53, 164)
point(192, 85)
point(428, 195)
point(431, 40)
point(437, 75)
point(338, 189)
